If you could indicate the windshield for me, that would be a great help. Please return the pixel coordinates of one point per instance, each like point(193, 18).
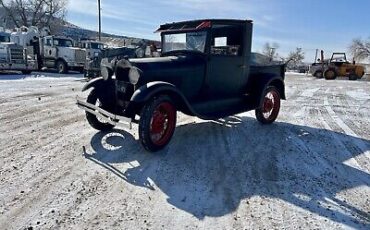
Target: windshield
point(4, 39)
point(195, 41)
point(97, 46)
point(63, 42)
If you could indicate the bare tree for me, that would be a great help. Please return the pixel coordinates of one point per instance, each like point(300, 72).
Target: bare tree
point(360, 49)
point(270, 50)
point(295, 57)
point(38, 13)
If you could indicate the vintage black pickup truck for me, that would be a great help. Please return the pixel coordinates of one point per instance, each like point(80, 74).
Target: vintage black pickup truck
point(206, 69)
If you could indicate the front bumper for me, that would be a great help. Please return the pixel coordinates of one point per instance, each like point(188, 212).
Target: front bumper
point(106, 116)
point(76, 64)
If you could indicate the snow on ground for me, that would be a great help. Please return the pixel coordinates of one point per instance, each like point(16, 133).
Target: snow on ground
point(310, 169)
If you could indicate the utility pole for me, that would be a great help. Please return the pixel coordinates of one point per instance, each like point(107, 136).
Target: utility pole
point(272, 53)
point(99, 11)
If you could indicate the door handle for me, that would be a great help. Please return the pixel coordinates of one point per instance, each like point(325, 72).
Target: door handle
point(242, 66)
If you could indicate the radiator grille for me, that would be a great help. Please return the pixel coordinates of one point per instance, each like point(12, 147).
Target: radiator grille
point(80, 56)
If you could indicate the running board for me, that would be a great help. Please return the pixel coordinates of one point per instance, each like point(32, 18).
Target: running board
point(106, 116)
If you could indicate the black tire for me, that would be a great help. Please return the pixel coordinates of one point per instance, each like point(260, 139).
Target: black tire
point(270, 107)
point(26, 72)
point(330, 74)
point(150, 123)
point(318, 74)
point(91, 118)
point(62, 67)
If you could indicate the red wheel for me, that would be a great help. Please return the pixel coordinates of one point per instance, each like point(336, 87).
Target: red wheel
point(157, 123)
point(270, 107)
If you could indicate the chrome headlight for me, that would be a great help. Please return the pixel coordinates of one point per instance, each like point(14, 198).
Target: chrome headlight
point(134, 75)
point(106, 73)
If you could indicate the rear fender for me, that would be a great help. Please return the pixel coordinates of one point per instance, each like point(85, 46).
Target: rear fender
point(266, 81)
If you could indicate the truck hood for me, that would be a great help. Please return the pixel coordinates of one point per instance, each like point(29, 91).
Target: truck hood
point(72, 54)
point(170, 69)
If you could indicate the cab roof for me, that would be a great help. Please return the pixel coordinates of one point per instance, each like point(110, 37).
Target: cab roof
point(199, 24)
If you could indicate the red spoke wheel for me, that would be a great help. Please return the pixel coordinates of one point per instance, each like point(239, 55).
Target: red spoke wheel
point(270, 106)
point(157, 123)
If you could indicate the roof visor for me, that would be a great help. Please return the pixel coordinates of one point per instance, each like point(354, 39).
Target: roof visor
point(184, 26)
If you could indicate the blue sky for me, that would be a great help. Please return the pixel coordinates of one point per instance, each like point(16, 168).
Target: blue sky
point(323, 24)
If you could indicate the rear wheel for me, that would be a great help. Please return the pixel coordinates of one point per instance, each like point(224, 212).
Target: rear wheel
point(330, 74)
point(96, 99)
point(157, 123)
point(270, 107)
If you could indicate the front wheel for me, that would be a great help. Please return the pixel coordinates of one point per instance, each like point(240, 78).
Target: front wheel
point(96, 99)
point(318, 74)
point(157, 123)
point(62, 67)
point(270, 107)
point(330, 74)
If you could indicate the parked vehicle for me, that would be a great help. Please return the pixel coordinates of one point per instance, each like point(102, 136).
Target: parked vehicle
point(206, 69)
point(51, 51)
point(92, 64)
point(337, 66)
point(317, 69)
point(60, 53)
point(14, 57)
point(92, 48)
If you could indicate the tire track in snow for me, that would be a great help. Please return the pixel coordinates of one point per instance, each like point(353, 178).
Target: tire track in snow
point(365, 156)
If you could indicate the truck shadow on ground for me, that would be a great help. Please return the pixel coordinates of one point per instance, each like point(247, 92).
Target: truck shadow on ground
point(210, 168)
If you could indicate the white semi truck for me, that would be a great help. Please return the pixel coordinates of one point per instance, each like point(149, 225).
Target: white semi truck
point(15, 57)
point(51, 51)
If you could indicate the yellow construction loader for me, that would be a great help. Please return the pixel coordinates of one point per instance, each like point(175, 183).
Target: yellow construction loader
point(339, 66)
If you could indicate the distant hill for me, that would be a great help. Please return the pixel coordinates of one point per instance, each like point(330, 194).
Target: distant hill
point(77, 33)
point(70, 30)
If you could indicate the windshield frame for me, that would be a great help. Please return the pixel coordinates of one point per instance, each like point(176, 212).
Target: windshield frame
point(185, 31)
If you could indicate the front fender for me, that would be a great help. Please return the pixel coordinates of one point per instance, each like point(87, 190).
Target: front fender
point(99, 83)
point(147, 91)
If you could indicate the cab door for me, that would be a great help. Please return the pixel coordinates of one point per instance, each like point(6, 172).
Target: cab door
point(227, 65)
point(50, 51)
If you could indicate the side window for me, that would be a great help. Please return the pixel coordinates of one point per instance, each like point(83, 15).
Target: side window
point(220, 41)
point(48, 42)
point(227, 41)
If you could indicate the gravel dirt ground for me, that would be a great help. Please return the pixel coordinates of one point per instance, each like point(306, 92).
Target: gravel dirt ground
point(310, 169)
